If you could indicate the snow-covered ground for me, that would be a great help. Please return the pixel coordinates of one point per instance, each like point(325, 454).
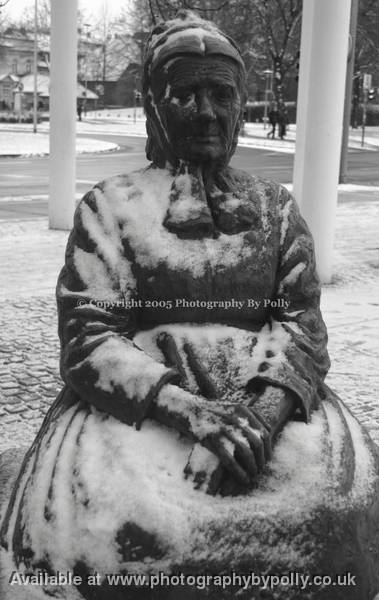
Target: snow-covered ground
point(26, 143)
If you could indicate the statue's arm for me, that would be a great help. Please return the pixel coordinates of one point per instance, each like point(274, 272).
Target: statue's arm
point(289, 378)
point(98, 358)
point(300, 363)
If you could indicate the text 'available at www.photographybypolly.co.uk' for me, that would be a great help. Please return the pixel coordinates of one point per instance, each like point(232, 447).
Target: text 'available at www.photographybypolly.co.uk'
point(245, 581)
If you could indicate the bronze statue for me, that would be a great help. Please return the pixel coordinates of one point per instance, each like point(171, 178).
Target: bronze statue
point(195, 433)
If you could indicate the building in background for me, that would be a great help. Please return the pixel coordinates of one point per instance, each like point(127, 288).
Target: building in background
point(17, 72)
point(105, 67)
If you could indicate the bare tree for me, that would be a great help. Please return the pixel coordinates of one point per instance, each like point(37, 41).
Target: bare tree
point(26, 20)
point(166, 9)
point(117, 41)
point(367, 41)
point(279, 25)
point(4, 19)
point(267, 32)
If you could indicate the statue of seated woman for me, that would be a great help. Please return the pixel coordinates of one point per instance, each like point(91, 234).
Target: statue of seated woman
point(195, 435)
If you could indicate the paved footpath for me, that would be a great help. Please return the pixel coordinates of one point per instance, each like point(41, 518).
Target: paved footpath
point(31, 256)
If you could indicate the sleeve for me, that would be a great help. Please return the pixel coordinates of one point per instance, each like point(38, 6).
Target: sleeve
point(96, 296)
point(295, 357)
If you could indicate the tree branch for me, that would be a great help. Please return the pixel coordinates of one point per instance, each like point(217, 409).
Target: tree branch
point(160, 10)
point(218, 8)
point(153, 18)
point(282, 12)
point(268, 33)
point(289, 31)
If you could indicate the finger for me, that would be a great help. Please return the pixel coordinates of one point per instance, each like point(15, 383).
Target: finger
point(206, 386)
point(254, 437)
point(256, 442)
point(199, 479)
point(215, 480)
point(244, 454)
point(216, 445)
point(265, 435)
point(252, 418)
point(259, 439)
point(167, 345)
point(261, 442)
point(267, 445)
point(260, 419)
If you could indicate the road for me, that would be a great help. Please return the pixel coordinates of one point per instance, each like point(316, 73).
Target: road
point(29, 176)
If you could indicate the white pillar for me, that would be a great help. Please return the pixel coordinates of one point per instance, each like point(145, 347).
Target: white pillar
point(323, 61)
point(35, 68)
point(63, 90)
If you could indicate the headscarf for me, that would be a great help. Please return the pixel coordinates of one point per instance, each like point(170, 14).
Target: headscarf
point(185, 35)
point(210, 212)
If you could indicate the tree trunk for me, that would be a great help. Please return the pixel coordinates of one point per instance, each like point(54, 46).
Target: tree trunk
point(278, 84)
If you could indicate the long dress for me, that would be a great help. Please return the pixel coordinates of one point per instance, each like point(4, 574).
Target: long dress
point(102, 488)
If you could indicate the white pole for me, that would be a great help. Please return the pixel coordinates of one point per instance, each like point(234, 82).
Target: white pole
point(265, 108)
point(348, 91)
point(35, 70)
point(63, 92)
point(323, 61)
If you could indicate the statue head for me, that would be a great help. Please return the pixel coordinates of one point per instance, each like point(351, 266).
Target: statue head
point(194, 93)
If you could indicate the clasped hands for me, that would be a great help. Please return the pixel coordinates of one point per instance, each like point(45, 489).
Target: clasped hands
point(238, 438)
point(241, 445)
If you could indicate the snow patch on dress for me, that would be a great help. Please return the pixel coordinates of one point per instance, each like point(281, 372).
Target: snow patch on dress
point(142, 206)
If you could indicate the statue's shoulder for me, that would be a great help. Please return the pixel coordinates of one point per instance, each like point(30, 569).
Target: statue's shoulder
point(259, 189)
point(119, 184)
point(123, 188)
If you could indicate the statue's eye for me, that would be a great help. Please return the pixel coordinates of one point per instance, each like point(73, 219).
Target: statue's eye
point(222, 92)
point(182, 97)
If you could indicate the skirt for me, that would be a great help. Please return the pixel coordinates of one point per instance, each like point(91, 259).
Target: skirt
point(97, 499)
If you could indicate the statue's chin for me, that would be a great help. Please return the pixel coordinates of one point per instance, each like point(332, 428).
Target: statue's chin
point(204, 153)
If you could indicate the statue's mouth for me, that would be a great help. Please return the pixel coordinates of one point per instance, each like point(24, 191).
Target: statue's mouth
point(204, 138)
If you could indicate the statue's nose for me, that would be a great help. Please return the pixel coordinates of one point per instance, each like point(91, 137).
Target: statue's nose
point(204, 106)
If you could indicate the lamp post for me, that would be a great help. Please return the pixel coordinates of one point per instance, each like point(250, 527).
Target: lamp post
point(268, 90)
point(136, 94)
point(367, 82)
point(106, 40)
point(35, 70)
point(348, 90)
point(87, 36)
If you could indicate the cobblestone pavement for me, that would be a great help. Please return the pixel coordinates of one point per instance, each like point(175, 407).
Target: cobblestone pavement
point(351, 310)
point(30, 259)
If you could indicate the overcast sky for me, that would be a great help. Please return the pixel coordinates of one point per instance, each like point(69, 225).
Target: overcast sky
point(15, 8)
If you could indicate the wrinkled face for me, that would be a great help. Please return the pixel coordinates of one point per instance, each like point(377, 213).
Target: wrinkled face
point(199, 103)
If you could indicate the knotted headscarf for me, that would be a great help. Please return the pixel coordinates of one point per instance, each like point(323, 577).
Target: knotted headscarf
point(197, 208)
